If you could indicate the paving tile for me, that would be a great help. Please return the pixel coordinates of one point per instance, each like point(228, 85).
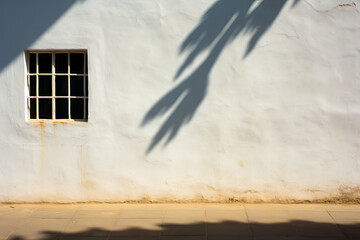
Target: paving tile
point(184, 213)
point(281, 238)
point(94, 227)
point(284, 229)
point(133, 238)
point(8, 226)
point(353, 233)
point(179, 221)
point(228, 228)
point(140, 213)
point(182, 238)
point(229, 238)
point(76, 237)
point(311, 215)
point(270, 221)
point(54, 212)
point(235, 215)
point(346, 217)
point(305, 207)
point(183, 227)
point(137, 227)
point(267, 207)
point(311, 224)
point(34, 237)
point(17, 211)
point(41, 228)
point(342, 207)
point(84, 213)
point(348, 224)
point(297, 238)
point(257, 214)
point(319, 231)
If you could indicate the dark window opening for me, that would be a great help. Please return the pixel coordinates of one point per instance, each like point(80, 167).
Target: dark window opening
point(61, 85)
point(61, 62)
point(86, 86)
point(86, 108)
point(76, 86)
point(32, 66)
point(45, 62)
point(32, 86)
point(45, 108)
point(45, 86)
point(76, 63)
point(57, 85)
point(77, 108)
point(33, 108)
point(62, 111)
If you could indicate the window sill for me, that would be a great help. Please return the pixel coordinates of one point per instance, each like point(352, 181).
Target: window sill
point(61, 121)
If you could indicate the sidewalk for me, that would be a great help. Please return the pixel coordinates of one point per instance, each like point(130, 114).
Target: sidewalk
point(179, 221)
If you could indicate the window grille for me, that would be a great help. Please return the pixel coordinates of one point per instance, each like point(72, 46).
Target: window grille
point(57, 84)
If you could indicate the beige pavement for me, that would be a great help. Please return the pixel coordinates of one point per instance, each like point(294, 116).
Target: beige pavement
point(179, 221)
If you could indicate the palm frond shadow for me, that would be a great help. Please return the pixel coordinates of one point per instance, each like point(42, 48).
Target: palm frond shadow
point(220, 25)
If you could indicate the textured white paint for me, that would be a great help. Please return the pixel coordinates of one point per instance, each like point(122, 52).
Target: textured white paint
point(321, 5)
point(281, 124)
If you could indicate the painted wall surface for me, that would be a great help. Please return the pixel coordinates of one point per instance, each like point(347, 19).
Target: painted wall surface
point(189, 100)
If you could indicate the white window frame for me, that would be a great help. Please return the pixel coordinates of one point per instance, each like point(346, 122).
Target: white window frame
point(53, 74)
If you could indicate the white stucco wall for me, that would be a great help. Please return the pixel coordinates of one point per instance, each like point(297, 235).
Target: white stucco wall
point(282, 123)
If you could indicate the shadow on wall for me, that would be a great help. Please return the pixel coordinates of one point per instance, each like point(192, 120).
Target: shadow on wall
point(219, 26)
point(221, 230)
point(22, 22)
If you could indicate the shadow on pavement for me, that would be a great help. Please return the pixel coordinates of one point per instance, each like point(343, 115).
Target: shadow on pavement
point(216, 230)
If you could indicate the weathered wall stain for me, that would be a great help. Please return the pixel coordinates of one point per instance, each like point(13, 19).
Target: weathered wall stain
point(241, 164)
point(353, 198)
point(42, 129)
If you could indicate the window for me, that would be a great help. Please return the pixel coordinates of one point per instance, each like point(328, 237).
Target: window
point(57, 85)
